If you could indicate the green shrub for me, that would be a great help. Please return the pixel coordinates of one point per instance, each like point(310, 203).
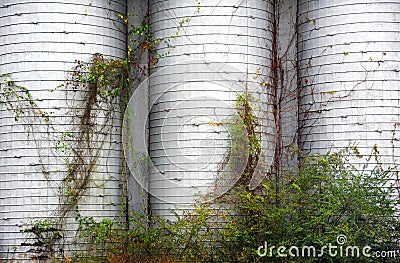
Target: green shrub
point(326, 198)
point(323, 199)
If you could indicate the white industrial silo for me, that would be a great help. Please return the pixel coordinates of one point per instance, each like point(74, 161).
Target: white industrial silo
point(40, 40)
point(216, 50)
point(349, 75)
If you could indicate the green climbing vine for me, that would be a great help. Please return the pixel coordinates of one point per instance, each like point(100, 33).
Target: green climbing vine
point(251, 125)
point(48, 239)
point(243, 154)
point(18, 99)
point(93, 89)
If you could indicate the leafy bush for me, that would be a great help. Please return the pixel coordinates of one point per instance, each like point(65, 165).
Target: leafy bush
point(326, 201)
point(325, 198)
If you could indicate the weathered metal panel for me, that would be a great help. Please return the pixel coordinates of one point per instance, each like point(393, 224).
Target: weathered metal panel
point(39, 42)
point(349, 74)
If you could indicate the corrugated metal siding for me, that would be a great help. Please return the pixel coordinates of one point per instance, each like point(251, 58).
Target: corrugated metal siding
point(188, 90)
point(135, 127)
point(39, 41)
point(348, 54)
point(287, 52)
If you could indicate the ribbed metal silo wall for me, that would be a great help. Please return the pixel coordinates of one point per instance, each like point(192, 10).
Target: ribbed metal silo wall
point(348, 53)
point(217, 45)
point(40, 40)
point(286, 16)
point(137, 195)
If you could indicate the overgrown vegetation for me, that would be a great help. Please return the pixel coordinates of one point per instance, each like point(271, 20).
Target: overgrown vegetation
point(94, 88)
point(48, 236)
point(325, 198)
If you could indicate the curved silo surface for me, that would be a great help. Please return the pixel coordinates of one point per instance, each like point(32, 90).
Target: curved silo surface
point(40, 40)
point(218, 50)
point(348, 53)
